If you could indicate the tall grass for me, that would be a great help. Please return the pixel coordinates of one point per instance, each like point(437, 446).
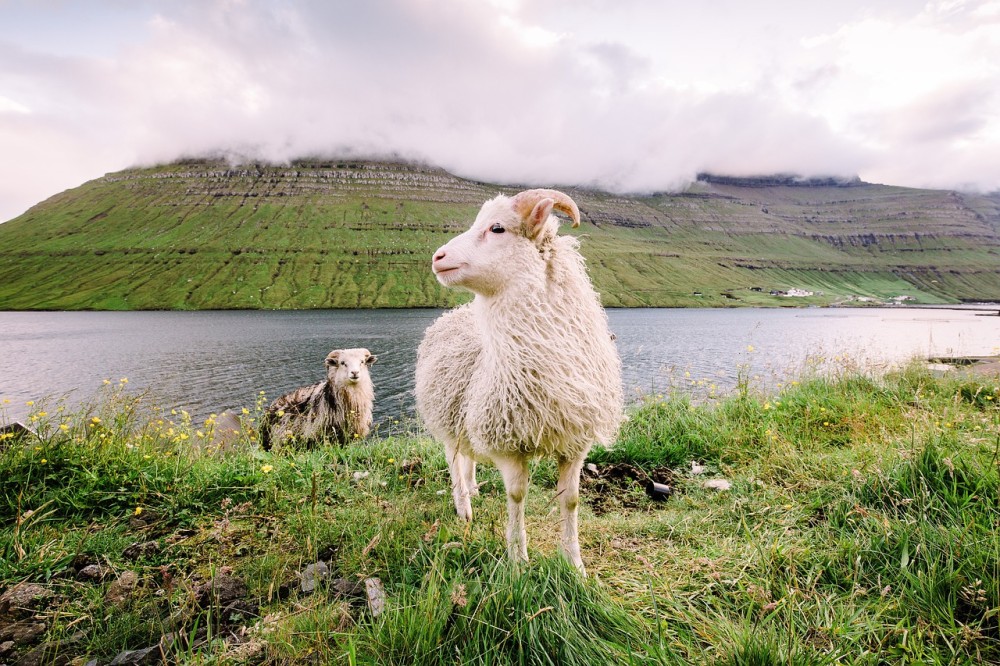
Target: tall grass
point(862, 527)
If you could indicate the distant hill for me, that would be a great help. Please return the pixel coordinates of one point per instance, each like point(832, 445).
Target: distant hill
point(341, 234)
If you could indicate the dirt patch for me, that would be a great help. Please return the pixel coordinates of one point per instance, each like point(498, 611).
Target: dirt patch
point(625, 487)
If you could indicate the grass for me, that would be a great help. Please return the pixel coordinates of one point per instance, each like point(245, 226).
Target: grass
point(862, 527)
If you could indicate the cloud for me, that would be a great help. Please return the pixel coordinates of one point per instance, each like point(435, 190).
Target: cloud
point(501, 91)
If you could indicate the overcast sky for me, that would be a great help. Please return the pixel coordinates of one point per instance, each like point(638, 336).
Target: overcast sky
point(629, 95)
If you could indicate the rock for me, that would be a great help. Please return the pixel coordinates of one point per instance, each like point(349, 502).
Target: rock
point(143, 549)
point(221, 590)
point(717, 484)
point(150, 655)
point(22, 633)
point(6, 648)
point(24, 598)
point(592, 468)
point(376, 596)
point(344, 587)
point(312, 575)
point(52, 653)
point(143, 520)
point(122, 589)
point(92, 573)
point(697, 469)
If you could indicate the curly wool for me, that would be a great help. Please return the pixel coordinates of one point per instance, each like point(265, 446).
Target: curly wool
point(327, 410)
point(532, 371)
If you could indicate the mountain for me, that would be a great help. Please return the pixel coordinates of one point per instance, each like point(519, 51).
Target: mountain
point(199, 234)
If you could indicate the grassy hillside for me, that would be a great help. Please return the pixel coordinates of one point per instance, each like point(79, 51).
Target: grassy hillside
point(862, 527)
point(201, 235)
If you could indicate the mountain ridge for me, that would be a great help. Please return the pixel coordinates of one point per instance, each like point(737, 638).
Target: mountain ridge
point(204, 234)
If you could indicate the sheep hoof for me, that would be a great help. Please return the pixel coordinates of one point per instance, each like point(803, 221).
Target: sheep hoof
point(464, 510)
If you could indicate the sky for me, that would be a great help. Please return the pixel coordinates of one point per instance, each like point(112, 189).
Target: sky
point(624, 95)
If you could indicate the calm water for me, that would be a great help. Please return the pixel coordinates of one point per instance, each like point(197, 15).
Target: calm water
point(208, 361)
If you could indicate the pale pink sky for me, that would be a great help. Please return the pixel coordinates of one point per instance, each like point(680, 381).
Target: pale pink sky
point(630, 95)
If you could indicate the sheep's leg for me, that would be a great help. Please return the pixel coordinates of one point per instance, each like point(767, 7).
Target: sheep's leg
point(568, 491)
point(470, 475)
point(458, 464)
point(515, 479)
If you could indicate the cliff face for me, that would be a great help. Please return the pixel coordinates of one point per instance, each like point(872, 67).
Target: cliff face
point(327, 233)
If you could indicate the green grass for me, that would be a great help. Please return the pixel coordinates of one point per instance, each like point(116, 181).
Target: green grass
point(862, 527)
point(195, 235)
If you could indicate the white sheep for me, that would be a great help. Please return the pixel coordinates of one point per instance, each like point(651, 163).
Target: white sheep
point(528, 368)
point(340, 407)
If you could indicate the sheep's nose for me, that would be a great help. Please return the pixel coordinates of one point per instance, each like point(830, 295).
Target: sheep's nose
point(439, 255)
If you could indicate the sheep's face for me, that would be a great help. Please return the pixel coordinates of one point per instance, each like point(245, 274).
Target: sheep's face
point(345, 367)
point(506, 237)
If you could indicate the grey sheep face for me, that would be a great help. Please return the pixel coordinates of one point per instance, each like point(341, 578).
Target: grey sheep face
point(345, 367)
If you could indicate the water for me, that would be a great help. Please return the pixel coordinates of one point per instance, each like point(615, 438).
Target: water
point(208, 361)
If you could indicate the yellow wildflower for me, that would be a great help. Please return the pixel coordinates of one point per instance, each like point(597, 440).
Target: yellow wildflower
point(138, 510)
point(266, 469)
point(63, 427)
point(43, 461)
point(30, 403)
point(392, 460)
point(107, 381)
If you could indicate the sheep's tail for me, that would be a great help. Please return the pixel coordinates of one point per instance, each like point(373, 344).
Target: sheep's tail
point(525, 202)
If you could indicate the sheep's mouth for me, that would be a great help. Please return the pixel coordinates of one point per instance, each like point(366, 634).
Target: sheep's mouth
point(447, 272)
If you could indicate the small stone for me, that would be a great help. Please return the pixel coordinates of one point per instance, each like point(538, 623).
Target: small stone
point(143, 549)
point(697, 469)
point(92, 573)
point(25, 632)
point(122, 589)
point(717, 484)
point(150, 655)
point(358, 476)
point(376, 596)
point(221, 590)
point(345, 587)
point(22, 599)
point(592, 468)
point(52, 653)
point(6, 648)
point(312, 575)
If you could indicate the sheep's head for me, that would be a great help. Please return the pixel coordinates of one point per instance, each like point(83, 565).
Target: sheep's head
point(345, 367)
point(506, 230)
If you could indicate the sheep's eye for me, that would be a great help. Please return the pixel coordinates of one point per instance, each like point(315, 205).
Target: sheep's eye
point(344, 363)
point(497, 228)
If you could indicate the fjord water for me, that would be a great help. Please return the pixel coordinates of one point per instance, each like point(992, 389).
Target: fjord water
point(208, 361)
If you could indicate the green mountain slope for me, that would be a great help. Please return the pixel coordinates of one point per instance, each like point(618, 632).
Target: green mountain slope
point(319, 234)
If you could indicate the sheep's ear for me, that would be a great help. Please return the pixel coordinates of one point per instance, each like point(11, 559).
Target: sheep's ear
point(332, 358)
point(536, 219)
point(371, 359)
